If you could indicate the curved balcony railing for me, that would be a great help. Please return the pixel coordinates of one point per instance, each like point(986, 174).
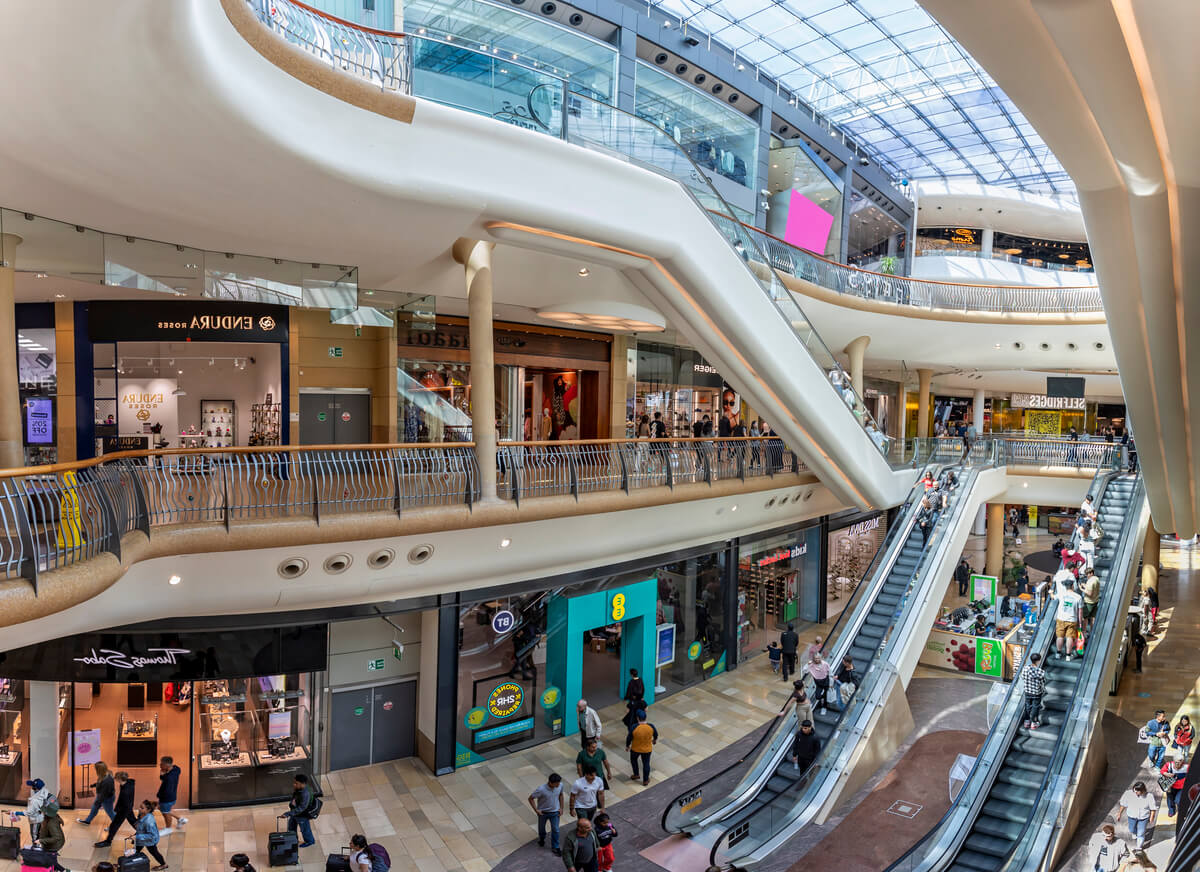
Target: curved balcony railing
point(1034, 262)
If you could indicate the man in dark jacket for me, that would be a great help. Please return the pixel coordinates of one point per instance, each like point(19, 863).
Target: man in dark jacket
point(926, 519)
point(299, 809)
point(805, 746)
point(580, 850)
point(962, 574)
point(168, 790)
point(788, 643)
point(635, 689)
point(123, 810)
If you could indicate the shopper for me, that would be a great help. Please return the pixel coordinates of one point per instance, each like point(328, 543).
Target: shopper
point(593, 755)
point(805, 746)
point(605, 833)
point(962, 575)
point(34, 808)
point(774, 656)
point(105, 792)
point(1087, 509)
point(241, 863)
point(546, 802)
point(581, 850)
point(630, 718)
point(1183, 737)
point(123, 809)
point(299, 813)
point(640, 746)
point(366, 857)
point(587, 794)
point(818, 669)
point(1158, 731)
point(813, 648)
point(168, 789)
point(1138, 641)
point(589, 723)
point(1109, 853)
point(1091, 599)
point(1035, 691)
point(1066, 623)
point(789, 642)
point(51, 837)
point(1140, 808)
point(845, 683)
point(145, 836)
point(800, 697)
point(1152, 599)
point(1177, 770)
point(635, 688)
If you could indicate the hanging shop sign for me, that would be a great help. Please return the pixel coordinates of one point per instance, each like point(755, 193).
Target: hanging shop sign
point(502, 622)
point(186, 320)
point(783, 554)
point(550, 697)
point(1041, 401)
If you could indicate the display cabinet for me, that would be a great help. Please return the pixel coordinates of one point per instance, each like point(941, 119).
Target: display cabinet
point(137, 739)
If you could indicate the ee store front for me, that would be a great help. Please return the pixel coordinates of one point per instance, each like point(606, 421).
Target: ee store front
point(235, 710)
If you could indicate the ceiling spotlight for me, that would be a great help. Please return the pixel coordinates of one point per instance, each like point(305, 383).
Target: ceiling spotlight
point(584, 272)
point(60, 296)
point(504, 543)
point(213, 360)
point(174, 579)
point(41, 275)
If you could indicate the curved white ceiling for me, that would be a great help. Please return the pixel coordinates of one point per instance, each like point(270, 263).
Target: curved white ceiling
point(966, 203)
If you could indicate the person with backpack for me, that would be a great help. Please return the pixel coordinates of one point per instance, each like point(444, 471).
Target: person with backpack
point(300, 810)
point(34, 808)
point(368, 857)
point(51, 837)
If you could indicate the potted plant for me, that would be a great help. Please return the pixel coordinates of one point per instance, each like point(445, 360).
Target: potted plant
point(888, 264)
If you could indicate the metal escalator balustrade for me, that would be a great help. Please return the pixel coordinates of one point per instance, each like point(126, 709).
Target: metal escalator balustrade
point(886, 628)
point(1022, 773)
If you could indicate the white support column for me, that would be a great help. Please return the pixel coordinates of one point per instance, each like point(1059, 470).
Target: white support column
point(12, 450)
point(977, 412)
point(476, 258)
point(857, 351)
point(925, 378)
point(985, 242)
point(43, 732)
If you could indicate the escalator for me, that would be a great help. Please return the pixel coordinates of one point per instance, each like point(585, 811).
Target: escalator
point(763, 798)
point(1021, 772)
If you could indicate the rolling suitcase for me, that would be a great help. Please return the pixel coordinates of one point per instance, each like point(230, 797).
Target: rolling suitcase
point(338, 862)
point(10, 838)
point(37, 860)
point(133, 862)
point(283, 847)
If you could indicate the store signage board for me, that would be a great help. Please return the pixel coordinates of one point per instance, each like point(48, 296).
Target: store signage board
point(503, 730)
point(618, 607)
point(989, 657)
point(666, 645)
point(39, 421)
point(503, 621)
point(783, 554)
point(85, 748)
point(1041, 401)
point(983, 587)
point(120, 660)
point(279, 725)
point(186, 320)
point(335, 351)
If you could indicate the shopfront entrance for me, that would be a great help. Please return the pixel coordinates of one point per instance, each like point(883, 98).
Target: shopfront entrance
point(372, 724)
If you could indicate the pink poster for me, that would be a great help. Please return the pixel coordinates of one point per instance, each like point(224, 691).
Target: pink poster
point(808, 225)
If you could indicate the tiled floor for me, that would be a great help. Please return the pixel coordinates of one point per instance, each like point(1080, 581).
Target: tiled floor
point(466, 821)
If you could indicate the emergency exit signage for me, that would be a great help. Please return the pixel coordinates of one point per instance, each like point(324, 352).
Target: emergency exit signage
point(335, 351)
point(375, 665)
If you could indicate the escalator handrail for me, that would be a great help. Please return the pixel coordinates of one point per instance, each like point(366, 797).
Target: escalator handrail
point(872, 680)
point(884, 558)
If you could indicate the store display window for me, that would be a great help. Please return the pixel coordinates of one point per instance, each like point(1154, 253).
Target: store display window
point(718, 137)
point(850, 550)
point(678, 383)
point(692, 598)
point(779, 583)
point(37, 375)
point(14, 740)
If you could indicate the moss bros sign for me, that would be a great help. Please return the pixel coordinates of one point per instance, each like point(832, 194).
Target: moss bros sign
point(186, 320)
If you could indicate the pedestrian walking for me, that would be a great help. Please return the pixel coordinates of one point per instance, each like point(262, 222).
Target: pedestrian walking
point(587, 794)
point(635, 689)
point(51, 837)
point(1035, 690)
point(605, 833)
point(630, 718)
point(845, 683)
point(1170, 779)
point(546, 802)
point(145, 837)
point(789, 642)
point(1138, 641)
point(1091, 599)
point(1140, 808)
point(1109, 854)
point(813, 648)
point(35, 807)
point(926, 519)
point(593, 755)
point(168, 789)
point(1152, 599)
point(818, 669)
point(106, 791)
point(300, 810)
point(774, 656)
point(589, 723)
point(962, 575)
point(123, 809)
point(800, 697)
point(640, 745)
point(580, 849)
point(1158, 731)
point(1067, 620)
point(1183, 737)
point(805, 746)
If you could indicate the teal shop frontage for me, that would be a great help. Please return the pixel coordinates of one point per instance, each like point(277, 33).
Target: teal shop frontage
point(578, 626)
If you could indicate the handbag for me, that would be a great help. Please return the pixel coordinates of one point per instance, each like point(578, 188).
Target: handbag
point(1166, 782)
point(1143, 737)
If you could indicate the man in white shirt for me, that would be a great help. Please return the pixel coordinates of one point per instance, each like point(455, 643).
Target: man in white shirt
point(1067, 619)
point(1141, 808)
point(1087, 508)
point(589, 723)
point(1111, 854)
point(587, 794)
point(1060, 578)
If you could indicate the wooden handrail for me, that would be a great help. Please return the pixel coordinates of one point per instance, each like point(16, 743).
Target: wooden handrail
point(396, 34)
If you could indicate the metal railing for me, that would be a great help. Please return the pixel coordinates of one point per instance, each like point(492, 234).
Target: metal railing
point(1034, 262)
point(1062, 452)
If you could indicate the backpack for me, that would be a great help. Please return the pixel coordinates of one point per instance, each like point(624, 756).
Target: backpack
point(380, 861)
point(314, 808)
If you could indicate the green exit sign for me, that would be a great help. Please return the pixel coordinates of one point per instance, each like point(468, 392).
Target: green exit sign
point(335, 351)
point(375, 665)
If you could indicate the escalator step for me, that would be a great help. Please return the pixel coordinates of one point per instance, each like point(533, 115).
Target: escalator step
point(985, 844)
point(1012, 793)
point(976, 861)
point(1026, 744)
point(1001, 829)
point(1017, 763)
point(1020, 777)
point(1015, 812)
point(878, 620)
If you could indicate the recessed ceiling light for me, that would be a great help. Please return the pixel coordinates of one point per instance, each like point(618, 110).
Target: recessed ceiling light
point(584, 272)
point(60, 296)
point(174, 579)
point(41, 275)
point(733, 508)
point(504, 543)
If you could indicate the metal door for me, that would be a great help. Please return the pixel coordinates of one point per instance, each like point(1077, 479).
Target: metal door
point(395, 710)
point(352, 418)
point(350, 718)
point(316, 420)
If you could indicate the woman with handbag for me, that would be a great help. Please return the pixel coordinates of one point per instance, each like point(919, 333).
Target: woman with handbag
point(1170, 779)
point(1184, 734)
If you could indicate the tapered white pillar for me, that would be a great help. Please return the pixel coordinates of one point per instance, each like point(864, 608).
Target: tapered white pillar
point(12, 451)
point(977, 412)
point(476, 258)
point(925, 377)
point(857, 351)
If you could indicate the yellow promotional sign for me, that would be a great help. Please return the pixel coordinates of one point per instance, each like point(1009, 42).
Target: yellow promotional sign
point(1042, 422)
point(1033, 516)
point(70, 526)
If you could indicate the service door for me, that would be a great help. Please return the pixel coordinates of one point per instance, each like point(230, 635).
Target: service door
point(351, 723)
point(373, 724)
point(395, 721)
point(352, 419)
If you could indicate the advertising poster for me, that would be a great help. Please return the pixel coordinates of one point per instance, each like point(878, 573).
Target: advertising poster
point(39, 421)
point(989, 657)
point(731, 411)
point(983, 587)
point(666, 646)
point(560, 397)
point(85, 747)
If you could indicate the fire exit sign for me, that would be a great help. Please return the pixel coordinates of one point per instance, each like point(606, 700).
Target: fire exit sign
point(375, 665)
point(335, 351)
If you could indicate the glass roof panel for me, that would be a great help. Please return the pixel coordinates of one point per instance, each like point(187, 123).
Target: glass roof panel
point(857, 62)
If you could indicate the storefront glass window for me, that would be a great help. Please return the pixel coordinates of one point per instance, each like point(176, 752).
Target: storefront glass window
point(806, 202)
point(14, 740)
point(718, 137)
point(778, 583)
point(850, 552)
point(691, 596)
point(680, 385)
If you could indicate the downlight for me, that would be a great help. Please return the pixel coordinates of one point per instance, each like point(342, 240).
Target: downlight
point(575, 20)
point(420, 554)
point(718, 88)
point(733, 98)
point(293, 567)
point(1019, 346)
point(661, 58)
point(680, 69)
point(1099, 346)
point(549, 8)
point(1045, 346)
point(336, 564)
point(1071, 346)
point(381, 558)
point(700, 78)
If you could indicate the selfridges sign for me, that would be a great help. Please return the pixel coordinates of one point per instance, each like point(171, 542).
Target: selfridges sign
point(1041, 401)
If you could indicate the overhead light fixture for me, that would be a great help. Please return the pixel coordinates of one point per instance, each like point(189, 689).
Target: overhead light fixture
point(504, 543)
point(41, 275)
point(179, 392)
point(584, 272)
point(60, 296)
point(174, 579)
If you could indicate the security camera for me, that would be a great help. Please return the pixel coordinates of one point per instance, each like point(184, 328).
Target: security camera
point(864, 162)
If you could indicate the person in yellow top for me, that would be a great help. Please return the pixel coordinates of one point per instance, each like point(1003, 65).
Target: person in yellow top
point(640, 745)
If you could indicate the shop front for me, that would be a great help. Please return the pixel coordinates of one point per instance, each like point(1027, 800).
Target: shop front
point(180, 374)
point(852, 544)
point(779, 582)
point(682, 386)
point(240, 705)
point(37, 381)
point(550, 384)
